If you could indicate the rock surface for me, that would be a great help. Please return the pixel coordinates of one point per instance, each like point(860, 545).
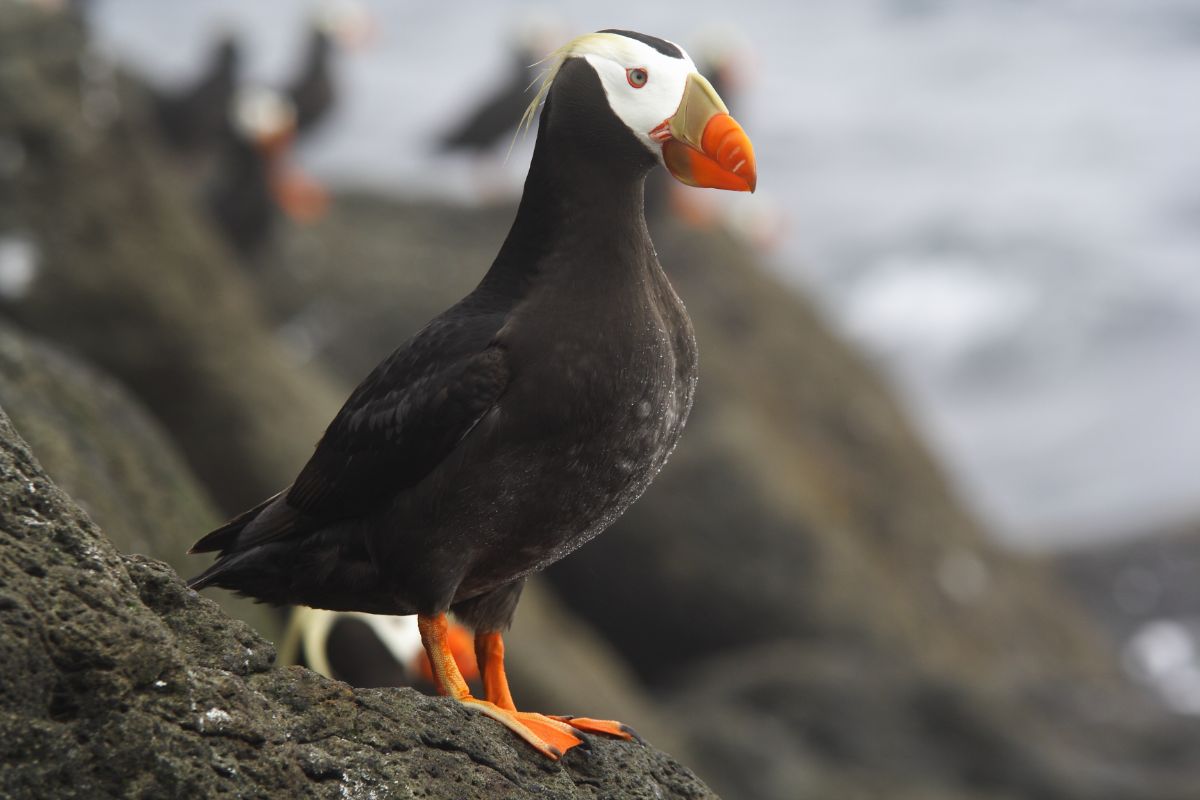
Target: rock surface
point(112, 457)
point(117, 681)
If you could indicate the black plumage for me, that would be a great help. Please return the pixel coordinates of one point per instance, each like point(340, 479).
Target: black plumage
point(511, 429)
point(193, 119)
point(313, 91)
point(239, 196)
point(499, 113)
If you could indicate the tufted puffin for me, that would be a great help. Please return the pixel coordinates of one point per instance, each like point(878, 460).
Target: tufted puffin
point(522, 421)
point(254, 178)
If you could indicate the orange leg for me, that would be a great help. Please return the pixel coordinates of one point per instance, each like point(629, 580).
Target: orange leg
point(550, 737)
point(489, 653)
point(461, 647)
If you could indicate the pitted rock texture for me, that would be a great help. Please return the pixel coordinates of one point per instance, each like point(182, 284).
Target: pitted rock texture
point(117, 681)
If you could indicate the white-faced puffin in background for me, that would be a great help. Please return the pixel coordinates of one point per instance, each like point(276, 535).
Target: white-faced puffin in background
point(522, 421)
point(367, 650)
point(254, 177)
point(502, 111)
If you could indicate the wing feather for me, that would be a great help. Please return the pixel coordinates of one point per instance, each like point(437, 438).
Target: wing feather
point(395, 429)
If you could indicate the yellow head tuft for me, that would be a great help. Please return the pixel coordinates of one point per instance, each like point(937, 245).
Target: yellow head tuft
point(589, 43)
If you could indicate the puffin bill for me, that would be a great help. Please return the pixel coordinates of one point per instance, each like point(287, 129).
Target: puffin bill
point(522, 421)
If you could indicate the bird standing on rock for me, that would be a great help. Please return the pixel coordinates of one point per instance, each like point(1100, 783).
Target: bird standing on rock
point(522, 421)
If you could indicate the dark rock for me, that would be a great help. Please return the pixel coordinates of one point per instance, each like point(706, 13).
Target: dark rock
point(117, 681)
point(1136, 581)
point(104, 449)
point(1146, 591)
point(902, 731)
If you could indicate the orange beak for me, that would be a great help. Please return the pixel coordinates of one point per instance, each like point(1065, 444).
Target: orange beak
point(704, 146)
point(301, 198)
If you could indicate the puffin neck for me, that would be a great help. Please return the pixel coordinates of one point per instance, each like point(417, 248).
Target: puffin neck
point(582, 203)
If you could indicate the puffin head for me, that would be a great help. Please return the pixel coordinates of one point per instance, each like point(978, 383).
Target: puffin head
point(264, 117)
point(346, 22)
point(653, 89)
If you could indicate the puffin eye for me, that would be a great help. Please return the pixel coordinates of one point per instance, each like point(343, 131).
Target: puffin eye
point(637, 77)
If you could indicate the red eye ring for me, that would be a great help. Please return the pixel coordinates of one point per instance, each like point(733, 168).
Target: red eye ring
point(637, 76)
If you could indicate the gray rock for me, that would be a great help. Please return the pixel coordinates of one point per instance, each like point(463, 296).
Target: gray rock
point(873, 727)
point(1137, 581)
point(117, 681)
point(99, 444)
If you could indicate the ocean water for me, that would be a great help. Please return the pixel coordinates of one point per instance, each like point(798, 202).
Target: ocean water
point(999, 200)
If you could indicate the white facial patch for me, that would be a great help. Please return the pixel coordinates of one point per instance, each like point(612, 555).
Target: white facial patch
point(642, 108)
point(259, 112)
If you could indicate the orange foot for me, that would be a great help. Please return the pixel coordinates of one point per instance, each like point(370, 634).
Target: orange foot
point(609, 727)
point(547, 735)
point(550, 736)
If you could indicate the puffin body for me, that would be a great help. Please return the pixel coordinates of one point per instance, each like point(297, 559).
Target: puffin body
point(522, 421)
point(253, 179)
point(192, 119)
point(312, 89)
point(337, 24)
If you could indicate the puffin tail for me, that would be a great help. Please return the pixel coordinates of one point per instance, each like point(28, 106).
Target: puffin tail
point(224, 537)
point(209, 575)
point(241, 540)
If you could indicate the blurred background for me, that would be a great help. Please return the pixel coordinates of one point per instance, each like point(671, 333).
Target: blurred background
point(934, 528)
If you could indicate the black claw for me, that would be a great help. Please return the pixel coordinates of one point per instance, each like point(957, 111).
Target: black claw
point(637, 737)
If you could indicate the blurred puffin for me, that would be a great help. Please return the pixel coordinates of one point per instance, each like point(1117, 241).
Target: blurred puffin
point(502, 111)
point(522, 421)
point(312, 91)
point(193, 119)
point(253, 177)
point(367, 650)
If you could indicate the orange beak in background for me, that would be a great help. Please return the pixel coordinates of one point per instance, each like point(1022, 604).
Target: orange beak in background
point(704, 146)
point(299, 196)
